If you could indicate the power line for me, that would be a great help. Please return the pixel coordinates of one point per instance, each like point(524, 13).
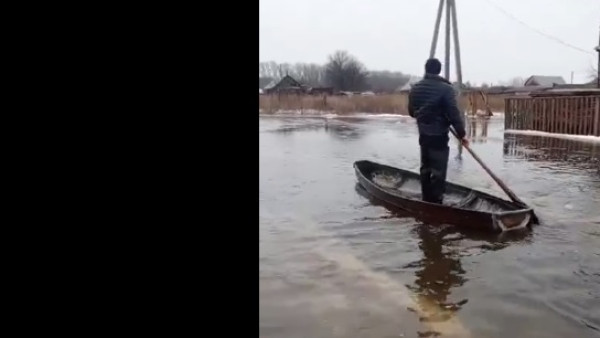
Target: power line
point(537, 30)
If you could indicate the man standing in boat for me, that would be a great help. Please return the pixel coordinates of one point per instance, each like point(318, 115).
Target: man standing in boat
point(432, 101)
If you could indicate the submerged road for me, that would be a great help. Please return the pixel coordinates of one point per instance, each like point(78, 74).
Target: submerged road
point(335, 264)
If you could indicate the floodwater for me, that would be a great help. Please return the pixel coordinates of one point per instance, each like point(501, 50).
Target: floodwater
point(335, 263)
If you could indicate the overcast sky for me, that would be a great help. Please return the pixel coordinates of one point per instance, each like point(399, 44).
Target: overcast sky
point(396, 35)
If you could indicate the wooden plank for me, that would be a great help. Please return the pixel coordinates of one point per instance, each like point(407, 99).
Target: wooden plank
point(565, 116)
point(533, 113)
point(542, 120)
point(518, 116)
point(597, 117)
point(514, 114)
point(513, 109)
point(522, 110)
point(569, 116)
point(575, 115)
point(507, 113)
point(545, 116)
point(572, 119)
point(578, 113)
point(557, 102)
point(590, 110)
point(556, 114)
point(537, 111)
point(513, 117)
point(526, 108)
point(589, 116)
point(586, 114)
point(578, 116)
point(563, 111)
point(548, 113)
point(526, 116)
point(552, 111)
point(540, 114)
point(581, 115)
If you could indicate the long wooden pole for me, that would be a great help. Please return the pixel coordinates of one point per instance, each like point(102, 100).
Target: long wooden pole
point(436, 29)
point(509, 192)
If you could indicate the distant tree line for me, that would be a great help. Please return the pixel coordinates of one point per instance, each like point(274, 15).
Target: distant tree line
point(342, 71)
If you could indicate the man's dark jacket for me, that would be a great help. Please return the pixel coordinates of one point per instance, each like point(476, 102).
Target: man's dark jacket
point(432, 102)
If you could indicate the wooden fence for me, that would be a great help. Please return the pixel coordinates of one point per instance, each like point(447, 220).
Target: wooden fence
point(578, 115)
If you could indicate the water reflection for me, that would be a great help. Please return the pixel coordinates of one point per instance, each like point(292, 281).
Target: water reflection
point(578, 154)
point(343, 130)
point(440, 269)
point(477, 128)
point(338, 129)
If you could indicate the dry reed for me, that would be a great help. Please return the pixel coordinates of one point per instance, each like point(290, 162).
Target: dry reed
point(378, 104)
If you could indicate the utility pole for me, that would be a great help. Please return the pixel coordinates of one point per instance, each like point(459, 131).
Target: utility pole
point(451, 22)
point(451, 25)
point(598, 66)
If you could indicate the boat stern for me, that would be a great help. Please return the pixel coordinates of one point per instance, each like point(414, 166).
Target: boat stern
point(512, 220)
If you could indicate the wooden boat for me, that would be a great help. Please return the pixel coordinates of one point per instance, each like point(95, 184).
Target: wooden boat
point(463, 207)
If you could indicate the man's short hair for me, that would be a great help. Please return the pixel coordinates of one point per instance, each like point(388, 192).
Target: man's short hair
point(433, 66)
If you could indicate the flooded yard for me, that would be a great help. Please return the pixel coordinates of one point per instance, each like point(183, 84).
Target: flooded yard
point(335, 263)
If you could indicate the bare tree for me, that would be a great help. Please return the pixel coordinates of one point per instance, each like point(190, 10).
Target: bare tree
point(344, 72)
point(386, 81)
point(268, 69)
point(309, 73)
point(315, 75)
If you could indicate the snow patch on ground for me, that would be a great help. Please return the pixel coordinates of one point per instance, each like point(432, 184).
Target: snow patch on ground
point(587, 138)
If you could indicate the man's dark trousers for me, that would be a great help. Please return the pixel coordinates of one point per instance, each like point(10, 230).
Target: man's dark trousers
point(434, 164)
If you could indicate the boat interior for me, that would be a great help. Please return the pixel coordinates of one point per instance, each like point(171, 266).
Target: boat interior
point(406, 184)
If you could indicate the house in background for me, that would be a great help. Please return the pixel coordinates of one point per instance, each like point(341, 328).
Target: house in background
point(544, 81)
point(287, 85)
